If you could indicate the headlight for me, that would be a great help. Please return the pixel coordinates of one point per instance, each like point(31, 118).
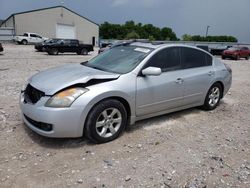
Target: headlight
point(65, 98)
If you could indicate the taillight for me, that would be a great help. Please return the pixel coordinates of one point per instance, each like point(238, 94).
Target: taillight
point(228, 68)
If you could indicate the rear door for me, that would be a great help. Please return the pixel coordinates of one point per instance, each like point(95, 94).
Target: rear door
point(66, 46)
point(158, 93)
point(198, 74)
point(73, 46)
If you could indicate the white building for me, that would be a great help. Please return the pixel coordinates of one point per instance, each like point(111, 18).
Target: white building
point(54, 22)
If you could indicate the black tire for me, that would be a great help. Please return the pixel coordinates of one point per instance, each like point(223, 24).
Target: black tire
point(53, 51)
point(208, 105)
point(247, 57)
point(84, 51)
point(223, 57)
point(95, 116)
point(24, 42)
point(43, 49)
point(237, 57)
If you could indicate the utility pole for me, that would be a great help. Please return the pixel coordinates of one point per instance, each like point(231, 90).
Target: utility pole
point(207, 30)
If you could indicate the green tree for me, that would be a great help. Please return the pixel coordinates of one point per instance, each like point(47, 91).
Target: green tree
point(167, 34)
point(187, 37)
point(132, 35)
point(132, 30)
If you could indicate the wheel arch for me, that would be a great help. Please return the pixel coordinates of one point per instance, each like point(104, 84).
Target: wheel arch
point(121, 99)
point(222, 87)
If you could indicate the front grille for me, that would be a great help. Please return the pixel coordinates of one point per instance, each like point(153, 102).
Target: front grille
point(40, 125)
point(32, 94)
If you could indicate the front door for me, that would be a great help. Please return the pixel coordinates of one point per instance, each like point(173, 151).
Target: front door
point(163, 92)
point(157, 93)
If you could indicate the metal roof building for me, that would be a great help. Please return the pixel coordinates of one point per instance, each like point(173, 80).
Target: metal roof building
point(54, 22)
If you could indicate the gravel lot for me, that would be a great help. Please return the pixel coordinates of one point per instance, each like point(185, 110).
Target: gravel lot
point(191, 148)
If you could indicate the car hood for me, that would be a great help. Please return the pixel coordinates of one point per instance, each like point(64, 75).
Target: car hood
point(53, 80)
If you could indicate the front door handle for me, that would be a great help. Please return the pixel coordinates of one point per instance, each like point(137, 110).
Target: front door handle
point(179, 81)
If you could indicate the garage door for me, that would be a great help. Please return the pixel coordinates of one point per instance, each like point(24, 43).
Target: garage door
point(65, 31)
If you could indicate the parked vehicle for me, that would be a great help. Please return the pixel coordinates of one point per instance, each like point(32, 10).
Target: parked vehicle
point(203, 47)
point(107, 46)
point(127, 83)
point(236, 53)
point(28, 38)
point(41, 47)
point(69, 45)
point(219, 50)
point(1, 47)
point(102, 49)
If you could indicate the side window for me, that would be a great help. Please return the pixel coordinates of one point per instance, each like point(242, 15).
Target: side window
point(32, 35)
point(66, 42)
point(209, 60)
point(25, 34)
point(73, 43)
point(192, 58)
point(167, 59)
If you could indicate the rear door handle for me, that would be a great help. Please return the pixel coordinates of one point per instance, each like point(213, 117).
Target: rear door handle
point(179, 81)
point(211, 73)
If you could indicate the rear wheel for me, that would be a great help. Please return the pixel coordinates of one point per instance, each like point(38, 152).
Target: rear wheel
point(247, 57)
point(237, 57)
point(106, 121)
point(84, 51)
point(213, 97)
point(223, 57)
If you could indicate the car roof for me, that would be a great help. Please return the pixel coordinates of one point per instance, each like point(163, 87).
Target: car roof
point(31, 33)
point(156, 45)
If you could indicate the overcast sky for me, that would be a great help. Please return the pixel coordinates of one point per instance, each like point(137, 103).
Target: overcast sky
point(225, 17)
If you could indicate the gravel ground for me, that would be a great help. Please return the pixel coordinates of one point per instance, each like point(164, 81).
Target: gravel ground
point(191, 148)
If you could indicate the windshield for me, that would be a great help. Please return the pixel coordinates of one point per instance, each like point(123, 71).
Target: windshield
point(121, 59)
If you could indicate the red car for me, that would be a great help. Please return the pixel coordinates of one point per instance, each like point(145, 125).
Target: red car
point(236, 53)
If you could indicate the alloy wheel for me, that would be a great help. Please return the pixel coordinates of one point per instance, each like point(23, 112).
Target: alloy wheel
point(109, 122)
point(214, 96)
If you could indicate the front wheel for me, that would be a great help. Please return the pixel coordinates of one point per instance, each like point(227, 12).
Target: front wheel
point(24, 42)
point(53, 51)
point(106, 121)
point(213, 97)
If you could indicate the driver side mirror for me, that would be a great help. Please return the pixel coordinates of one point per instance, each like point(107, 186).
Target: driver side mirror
point(151, 71)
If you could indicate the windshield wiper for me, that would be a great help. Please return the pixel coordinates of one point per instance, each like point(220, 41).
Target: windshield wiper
point(91, 66)
point(98, 68)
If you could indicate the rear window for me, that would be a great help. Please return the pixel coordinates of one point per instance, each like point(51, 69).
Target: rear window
point(192, 58)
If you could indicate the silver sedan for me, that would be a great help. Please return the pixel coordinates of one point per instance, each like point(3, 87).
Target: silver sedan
point(129, 82)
